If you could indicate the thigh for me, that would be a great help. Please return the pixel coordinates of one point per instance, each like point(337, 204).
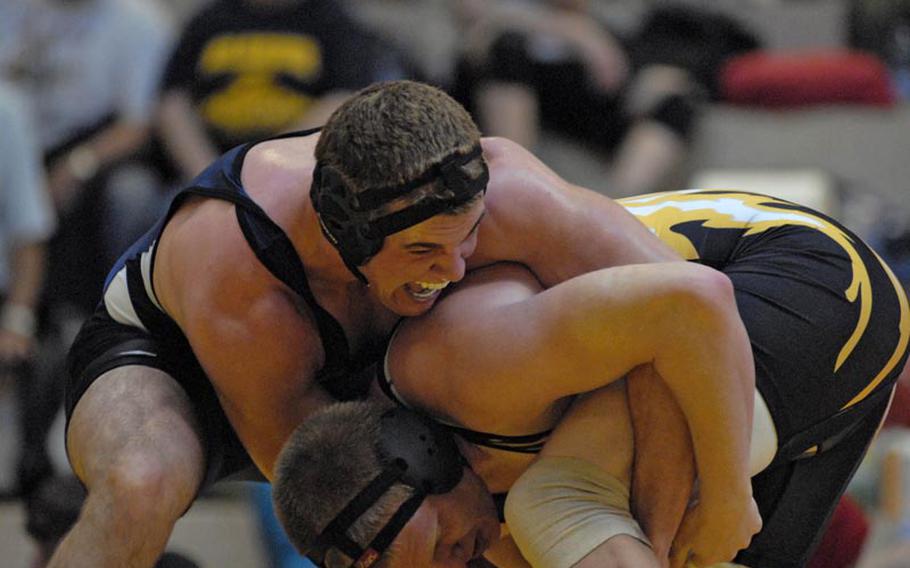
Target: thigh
point(135, 413)
point(145, 379)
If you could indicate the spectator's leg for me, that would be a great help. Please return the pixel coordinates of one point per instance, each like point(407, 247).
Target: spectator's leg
point(661, 101)
point(40, 398)
point(506, 100)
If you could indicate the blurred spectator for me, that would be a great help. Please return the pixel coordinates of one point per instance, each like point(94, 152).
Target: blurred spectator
point(883, 27)
point(53, 509)
point(26, 222)
point(422, 31)
point(245, 69)
point(553, 64)
point(90, 68)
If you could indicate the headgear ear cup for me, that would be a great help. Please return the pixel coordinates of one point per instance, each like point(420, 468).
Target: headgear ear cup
point(415, 451)
point(345, 226)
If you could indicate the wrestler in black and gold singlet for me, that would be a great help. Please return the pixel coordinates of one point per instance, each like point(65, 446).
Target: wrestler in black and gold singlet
point(829, 327)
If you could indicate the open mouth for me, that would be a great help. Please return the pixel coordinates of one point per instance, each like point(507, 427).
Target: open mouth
point(423, 291)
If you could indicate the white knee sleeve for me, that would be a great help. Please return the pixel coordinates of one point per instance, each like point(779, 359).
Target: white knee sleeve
point(561, 509)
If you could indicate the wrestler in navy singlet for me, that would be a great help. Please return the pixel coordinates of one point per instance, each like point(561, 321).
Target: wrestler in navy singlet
point(129, 326)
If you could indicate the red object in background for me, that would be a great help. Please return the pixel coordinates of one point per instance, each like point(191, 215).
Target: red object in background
point(899, 414)
point(782, 80)
point(844, 538)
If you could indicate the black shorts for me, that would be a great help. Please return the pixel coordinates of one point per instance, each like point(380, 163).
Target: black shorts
point(104, 344)
point(828, 327)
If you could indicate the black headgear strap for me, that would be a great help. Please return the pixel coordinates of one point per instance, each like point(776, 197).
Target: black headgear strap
point(422, 455)
point(349, 220)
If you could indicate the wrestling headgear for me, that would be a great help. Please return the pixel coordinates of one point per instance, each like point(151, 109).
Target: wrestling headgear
point(354, 222)
point(416, 452)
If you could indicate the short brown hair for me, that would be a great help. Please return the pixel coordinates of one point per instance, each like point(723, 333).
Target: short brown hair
point(326, 461)
point(390, 133)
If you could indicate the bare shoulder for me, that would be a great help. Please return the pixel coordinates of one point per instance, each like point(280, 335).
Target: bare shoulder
point(523, 198)
point(226, 302)
point(514, 170)
point(277, 174)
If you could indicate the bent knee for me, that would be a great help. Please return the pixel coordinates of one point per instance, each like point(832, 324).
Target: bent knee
point(130, 414)
point(139, 485)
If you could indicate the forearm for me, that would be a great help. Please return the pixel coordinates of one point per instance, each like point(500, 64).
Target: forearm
point(689, 328)
point(183, 135)
point(27, 275)
point(664, 469)
point(711, 376)
point(264, 428)
point(110, 145)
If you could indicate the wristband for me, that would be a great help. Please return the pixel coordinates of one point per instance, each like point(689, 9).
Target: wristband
point(18, 319)
point(82, 163)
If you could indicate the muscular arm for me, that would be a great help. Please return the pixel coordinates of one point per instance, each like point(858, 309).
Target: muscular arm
point(663, 472)
point(263, 365)
point(557, 229)
point(260, 350)
point(519, 355)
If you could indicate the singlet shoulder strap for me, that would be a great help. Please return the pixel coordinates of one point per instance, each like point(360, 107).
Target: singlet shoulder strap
point(272, 247)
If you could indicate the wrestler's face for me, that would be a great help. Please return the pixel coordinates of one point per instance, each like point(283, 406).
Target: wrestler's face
point(416, 264)
point(449, 530)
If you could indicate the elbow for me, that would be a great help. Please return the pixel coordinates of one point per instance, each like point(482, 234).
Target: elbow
point(702, 292)
point(695, 303)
